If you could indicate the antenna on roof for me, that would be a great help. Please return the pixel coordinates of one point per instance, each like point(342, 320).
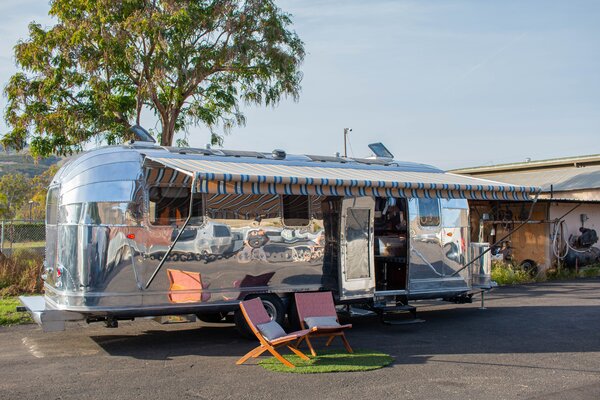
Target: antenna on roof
point(346, 132)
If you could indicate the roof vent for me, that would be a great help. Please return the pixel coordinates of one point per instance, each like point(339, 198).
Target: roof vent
point(381, 151)
point(141, 135)
point(278, 154)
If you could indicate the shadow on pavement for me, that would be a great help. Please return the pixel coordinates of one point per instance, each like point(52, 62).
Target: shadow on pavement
point(456, 331)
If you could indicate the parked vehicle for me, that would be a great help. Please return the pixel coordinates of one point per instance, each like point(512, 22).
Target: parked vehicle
point(142, 230)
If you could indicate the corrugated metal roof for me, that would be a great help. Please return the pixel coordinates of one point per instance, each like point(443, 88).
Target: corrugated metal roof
point(563, 162)
point(561, 179)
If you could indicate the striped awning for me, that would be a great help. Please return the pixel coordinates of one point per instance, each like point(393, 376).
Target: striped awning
point(223, 176)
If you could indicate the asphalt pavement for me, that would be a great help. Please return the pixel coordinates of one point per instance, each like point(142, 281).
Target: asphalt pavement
point(537, 341)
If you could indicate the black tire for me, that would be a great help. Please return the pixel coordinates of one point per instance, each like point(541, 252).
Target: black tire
point(274, 307)
point(530, 267)
point(210, 317)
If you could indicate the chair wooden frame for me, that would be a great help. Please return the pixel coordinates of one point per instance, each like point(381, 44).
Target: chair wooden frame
point(319, 304)
point(265, 344)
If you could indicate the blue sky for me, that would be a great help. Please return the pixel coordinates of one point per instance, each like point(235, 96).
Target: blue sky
point(449, 83)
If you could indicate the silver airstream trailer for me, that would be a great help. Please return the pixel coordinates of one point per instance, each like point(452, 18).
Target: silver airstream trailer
point(142, 230)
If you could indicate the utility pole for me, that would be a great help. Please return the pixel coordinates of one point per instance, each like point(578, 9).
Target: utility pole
point(346, 132)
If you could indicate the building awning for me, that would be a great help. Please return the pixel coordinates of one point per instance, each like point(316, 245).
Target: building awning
point(224, 176)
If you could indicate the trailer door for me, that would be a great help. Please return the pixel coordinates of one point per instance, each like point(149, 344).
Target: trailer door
point(357, 267)
point(426, 261)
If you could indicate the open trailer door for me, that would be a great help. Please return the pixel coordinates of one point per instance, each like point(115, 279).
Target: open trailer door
point(357, 266)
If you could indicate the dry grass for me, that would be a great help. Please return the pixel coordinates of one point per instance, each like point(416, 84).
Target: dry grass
point(20, 273)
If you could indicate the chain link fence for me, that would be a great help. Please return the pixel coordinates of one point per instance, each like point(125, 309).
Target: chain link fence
point(22, 234)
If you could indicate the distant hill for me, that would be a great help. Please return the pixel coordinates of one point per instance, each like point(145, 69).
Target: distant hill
point(12, 163)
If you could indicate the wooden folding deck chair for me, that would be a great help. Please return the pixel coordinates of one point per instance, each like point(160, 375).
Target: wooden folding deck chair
point(316, 311)
point(269, 333)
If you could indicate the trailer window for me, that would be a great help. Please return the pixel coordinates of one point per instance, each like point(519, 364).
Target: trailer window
point(171, 206)
point(112, 213)
point(295, 210)
point(229, 208)
point(429, 212)
point(69, 214)
point(52, 207)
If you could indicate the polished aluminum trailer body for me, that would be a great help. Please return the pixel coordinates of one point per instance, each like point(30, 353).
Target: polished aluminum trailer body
point(141, 230)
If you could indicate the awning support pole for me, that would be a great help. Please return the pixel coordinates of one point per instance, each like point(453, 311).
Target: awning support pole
point(567, 213)
point(504, 237)
point(185, 224)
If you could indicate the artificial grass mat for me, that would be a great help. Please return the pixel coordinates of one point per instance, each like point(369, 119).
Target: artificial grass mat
point(331, 361)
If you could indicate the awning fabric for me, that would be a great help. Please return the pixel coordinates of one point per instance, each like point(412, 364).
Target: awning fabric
point(243, 177)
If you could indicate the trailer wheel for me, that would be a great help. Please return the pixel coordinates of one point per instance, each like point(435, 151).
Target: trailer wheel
point(210, 317)
point(274, 307)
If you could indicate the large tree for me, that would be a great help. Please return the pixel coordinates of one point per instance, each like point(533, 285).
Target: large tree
point(191, 62)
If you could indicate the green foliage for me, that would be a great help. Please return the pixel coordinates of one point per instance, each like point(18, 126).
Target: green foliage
point(191, 62)
point(25, 232)
point(331, 361)
point(38, 189)
point(20, 273)
point(9, 315)
point(24, 163)
point(508, 274)
point(558, 273)
point(590, 271)
point(15, 189)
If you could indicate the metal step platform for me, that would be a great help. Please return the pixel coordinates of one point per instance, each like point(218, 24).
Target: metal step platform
point(395, 314)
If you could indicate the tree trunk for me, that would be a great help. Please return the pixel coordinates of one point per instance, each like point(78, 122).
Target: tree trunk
point(168, 127)
point(168, 131)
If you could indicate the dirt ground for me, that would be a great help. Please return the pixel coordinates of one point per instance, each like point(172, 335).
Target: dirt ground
point(537, 341)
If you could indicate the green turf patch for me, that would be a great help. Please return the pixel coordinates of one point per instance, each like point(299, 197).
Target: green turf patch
point(331, 361)
point(8, 313)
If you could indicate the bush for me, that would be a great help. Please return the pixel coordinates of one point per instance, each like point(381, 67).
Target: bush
point(509, 274)
point(25, 232)
point(20, 273)
point(590, 271)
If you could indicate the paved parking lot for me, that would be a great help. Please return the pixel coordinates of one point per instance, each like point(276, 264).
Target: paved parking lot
point(533, 342)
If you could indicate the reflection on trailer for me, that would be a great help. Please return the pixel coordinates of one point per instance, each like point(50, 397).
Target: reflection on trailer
point(142, 230)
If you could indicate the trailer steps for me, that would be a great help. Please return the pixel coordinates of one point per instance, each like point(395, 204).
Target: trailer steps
point(390, 313)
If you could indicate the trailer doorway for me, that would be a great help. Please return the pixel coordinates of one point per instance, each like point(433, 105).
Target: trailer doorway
point(357, 267)
point(390, 246)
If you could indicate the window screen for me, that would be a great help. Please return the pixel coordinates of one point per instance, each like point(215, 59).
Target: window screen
point(429, 212)
point(296, 210)
point(243, 207)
